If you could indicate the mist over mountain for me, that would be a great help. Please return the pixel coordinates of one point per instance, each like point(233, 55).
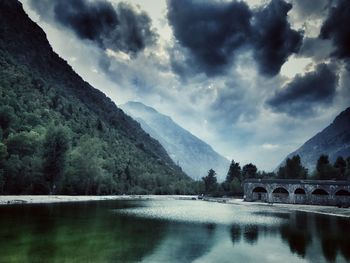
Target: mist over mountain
point(194, 155)
point(58, 133)
point(333, 141)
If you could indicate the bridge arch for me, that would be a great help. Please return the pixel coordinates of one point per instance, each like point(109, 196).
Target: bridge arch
point(299, 196)
point(259, 189)
point(299, 191)
point(280, 190)
point(280, 195)
point(320, 191)
point(259, 193)
point(342, 192)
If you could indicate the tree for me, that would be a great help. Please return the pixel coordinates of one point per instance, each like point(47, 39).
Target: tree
point(236, 187)
point(324, 170)
point(3, 155)
point(86, 171)
point(23, 143)
point(347, 173)
point(233, 172)
point(56, 145)
point(210, 182)
point(340, 166)
point(7, 116)
point(293, 169)
point(232, 183)
point(249, 171)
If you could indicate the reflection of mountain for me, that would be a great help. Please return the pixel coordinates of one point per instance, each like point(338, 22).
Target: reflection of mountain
point(184, 243)
point(192, 154)
point(75, 232)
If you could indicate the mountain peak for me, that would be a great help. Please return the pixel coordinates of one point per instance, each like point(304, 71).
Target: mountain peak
point(333, 141)
point(194, 155)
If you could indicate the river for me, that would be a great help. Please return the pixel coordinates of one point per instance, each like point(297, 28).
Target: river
point(169, 231)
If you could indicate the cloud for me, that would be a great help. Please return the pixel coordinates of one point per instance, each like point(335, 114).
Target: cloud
point(336, 27)
point(119, 29)
point(210, 31)
point(270, 146)
point(273, 39)
point(310, 8)
point(306, 92)
point(315, 48)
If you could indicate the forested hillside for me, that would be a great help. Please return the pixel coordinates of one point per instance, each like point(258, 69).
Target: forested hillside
point(60, 135)
point(333, 141)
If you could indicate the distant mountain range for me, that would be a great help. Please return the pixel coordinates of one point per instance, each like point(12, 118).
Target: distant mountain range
point(333, 141)
point(192, 154)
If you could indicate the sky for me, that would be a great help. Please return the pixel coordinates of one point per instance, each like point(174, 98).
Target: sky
point(255, 79)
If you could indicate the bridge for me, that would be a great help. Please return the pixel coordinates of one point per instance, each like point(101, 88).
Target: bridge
point(315, 192)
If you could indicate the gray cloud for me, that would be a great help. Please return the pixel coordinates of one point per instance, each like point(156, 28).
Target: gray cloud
point(212, 31)
point(119, 29)
point(301, 96)
point(273, 39)
point(336, 27)
point(315, 48)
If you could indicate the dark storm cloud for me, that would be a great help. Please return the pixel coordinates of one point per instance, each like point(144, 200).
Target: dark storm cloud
point(273, 39)
point(336, 27)
point(301, 96)
point(98, 21)
point(211, 31)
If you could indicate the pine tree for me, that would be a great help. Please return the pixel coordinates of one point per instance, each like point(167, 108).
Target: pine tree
point(210, 182)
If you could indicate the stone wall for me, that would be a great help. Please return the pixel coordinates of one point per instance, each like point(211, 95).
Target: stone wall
point(314, 192)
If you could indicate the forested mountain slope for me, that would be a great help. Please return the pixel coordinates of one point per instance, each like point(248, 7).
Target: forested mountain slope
point(333, 141)
point(59, 134)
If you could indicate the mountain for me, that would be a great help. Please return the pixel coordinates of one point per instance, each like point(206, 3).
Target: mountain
point(192, 154)
point(333, 141)
point(59, 134)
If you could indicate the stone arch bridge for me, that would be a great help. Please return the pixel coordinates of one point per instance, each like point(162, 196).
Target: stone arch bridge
point(314, 192)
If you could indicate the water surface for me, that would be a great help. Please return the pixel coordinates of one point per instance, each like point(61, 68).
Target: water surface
point(168, 231)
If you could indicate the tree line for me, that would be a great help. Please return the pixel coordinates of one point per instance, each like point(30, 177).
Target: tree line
point(292, 169)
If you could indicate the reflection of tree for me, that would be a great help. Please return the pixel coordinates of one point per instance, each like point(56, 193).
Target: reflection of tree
point(343, 228)
point(327, 236)
point(296, 233)
point(251, 234)
point(211, 227)
point(297, 239)
point(344, 246)
point(332, 232)
point(329, 248)
point(235, 233)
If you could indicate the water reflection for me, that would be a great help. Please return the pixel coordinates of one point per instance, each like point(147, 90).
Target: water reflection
point(298, 231)
point(169, 231)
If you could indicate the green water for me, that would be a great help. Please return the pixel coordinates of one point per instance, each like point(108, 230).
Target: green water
point(168, 231)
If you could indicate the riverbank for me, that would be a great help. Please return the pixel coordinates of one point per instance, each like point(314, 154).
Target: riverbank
point(46, 199)
point(326, 210)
